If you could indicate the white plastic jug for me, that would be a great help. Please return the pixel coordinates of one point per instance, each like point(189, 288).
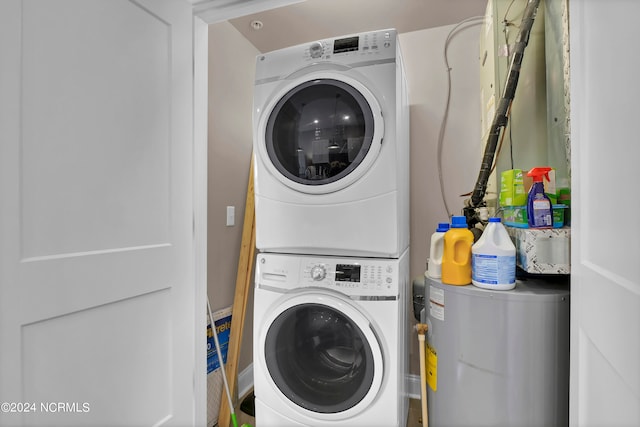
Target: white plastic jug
point(493, 258)
point(436, 249)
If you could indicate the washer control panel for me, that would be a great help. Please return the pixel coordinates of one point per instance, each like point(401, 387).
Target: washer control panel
point(353, 276)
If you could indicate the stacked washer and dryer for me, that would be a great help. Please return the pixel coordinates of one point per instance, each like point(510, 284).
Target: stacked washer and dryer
point(331, 145)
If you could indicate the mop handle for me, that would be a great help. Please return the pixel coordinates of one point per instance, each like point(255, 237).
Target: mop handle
point(224, 374)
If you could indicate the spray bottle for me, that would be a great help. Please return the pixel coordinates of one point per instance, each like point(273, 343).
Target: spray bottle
point(539, 211)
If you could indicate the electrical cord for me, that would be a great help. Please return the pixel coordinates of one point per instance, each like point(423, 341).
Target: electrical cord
point(472, 21)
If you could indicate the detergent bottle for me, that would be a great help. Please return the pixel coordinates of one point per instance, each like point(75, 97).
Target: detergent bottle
point(456, 257)
point(436, 250)
point(493, 258)
point(539, 210)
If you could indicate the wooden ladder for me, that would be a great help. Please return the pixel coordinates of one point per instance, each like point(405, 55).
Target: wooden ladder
point(243, 287)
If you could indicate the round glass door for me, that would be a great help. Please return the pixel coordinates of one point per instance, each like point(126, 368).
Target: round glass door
point(319, 131)
point(319, 358)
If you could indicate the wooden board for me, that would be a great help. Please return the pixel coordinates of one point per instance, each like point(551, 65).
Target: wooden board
point(243, 286)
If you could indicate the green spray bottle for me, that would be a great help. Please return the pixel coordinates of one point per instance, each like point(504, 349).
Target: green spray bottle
point(539, 211)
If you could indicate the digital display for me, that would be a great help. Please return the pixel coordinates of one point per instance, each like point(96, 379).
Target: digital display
point(347, 273)
point(346, 45)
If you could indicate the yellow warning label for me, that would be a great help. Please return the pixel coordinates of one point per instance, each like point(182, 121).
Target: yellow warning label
point(432, 368)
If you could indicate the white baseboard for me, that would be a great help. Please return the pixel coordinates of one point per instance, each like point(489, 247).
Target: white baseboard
point(414, 386)
point(245, 383)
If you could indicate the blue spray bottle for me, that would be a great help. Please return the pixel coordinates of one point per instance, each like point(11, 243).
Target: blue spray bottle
point(539, 211)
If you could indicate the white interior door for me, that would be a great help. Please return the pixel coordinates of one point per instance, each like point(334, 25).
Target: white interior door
point(605, 278)
point(97, 291)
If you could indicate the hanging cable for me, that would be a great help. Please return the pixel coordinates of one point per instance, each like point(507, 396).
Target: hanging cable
point(469, 22)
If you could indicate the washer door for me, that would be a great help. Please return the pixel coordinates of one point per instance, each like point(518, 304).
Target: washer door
point(322, 356)
point(320, 133)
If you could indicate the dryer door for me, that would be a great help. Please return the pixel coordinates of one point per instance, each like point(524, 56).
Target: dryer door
point(321, 132)
point(322, 356)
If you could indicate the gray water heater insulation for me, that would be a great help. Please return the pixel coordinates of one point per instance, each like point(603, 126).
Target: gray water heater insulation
point(498, 358)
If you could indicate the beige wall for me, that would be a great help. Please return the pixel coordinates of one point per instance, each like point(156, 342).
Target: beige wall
point(461, 152)
point(231, 68)
point(231, 75)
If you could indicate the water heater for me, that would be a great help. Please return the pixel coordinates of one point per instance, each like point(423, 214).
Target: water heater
point(498, 358)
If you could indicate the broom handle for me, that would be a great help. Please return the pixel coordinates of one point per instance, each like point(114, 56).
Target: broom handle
point(224, 375)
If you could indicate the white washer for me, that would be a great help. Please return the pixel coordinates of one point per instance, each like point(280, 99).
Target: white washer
point(331, 144)
point(330, 341)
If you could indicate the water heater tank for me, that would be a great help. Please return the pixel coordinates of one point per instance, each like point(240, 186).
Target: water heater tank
point(498, 358)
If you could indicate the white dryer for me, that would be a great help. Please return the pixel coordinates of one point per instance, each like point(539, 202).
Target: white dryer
point(330, 341)
point(331, 144)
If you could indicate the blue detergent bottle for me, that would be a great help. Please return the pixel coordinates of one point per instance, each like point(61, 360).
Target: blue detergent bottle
point(539, 210)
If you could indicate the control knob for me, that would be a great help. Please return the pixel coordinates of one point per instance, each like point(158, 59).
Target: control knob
point(316, 49)
point(318, 272)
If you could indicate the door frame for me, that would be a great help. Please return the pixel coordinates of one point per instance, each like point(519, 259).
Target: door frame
point(205, 13)
point(200, 200)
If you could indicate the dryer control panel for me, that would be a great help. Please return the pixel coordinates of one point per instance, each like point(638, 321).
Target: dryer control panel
point(372, 43)
point(354, 50)
point(357, 277)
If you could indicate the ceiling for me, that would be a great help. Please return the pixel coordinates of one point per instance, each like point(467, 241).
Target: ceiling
point(317, 19)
